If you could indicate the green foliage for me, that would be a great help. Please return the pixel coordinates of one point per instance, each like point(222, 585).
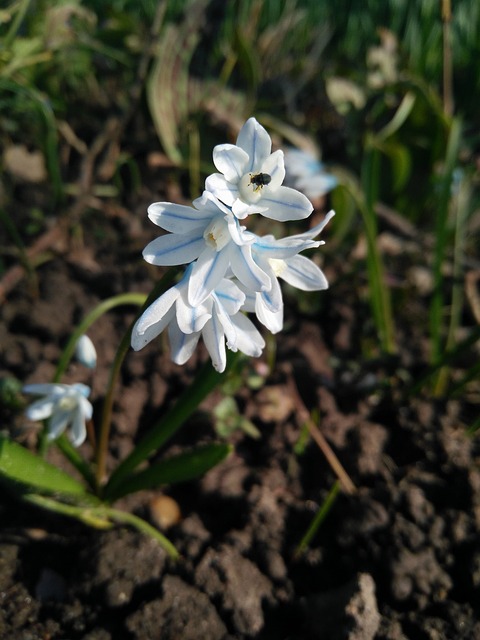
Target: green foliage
point(25, 469)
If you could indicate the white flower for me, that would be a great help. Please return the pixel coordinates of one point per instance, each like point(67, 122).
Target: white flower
point(210, 234)
point(250, 178)
point(64, 405)
point(280, 259)
point(217, 319)
point(305, 172)
point(85, 352)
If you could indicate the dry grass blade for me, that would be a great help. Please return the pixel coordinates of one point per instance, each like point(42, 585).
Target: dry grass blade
point(304, 418)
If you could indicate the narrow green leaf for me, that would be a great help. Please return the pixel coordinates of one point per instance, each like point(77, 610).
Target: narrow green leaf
point(19, 465)
point(399, 118)
point(180, 468)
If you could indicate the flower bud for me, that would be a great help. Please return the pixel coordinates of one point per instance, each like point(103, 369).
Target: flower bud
point(85, 352)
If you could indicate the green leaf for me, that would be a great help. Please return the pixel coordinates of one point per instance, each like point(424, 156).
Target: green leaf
point(399, 118)
point(21, 466)
point(401, 162)
point(186, 466)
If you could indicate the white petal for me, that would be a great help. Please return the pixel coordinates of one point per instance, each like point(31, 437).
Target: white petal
point(58, 422)
point(286, 204)
point(82, 391)
point(224, 318)
point(238, 233)
point(272, 320)
point(316, 186)
point(273, 297)
point(141, 339)
point(223, 190)
point(250, 301)
point(86, 407)
point(316, 230)
point(304, 274)
point(247, 270)
point(190, 319)
point(242, 209)
point(182, 345)
point(301, 163)
point(256, 142)
point(78, 431)
point(249, 339)
point(230, 296)
point(173, 249)
point(207, 272)
point(275, 167)
point(231, 161)
point(40, 409)
point(154, 319)
point(213, 336)
point(178, 218)
point(45, 389)
point(268, 248)
point(209, 203)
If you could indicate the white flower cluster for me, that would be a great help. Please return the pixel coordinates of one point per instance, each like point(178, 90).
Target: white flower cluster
point(231, 271)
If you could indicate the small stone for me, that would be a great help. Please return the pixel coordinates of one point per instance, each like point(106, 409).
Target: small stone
point(165, 512)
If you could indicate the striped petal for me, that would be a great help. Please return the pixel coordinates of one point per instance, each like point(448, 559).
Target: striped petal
point(304, 274)
point(286, 204)
point(274, 165)
point(206, 274)
point(173, 249)
point(253, 139)
point(225, 191)
point(154, 319)
point(247, 270)
point(231, 161)
point(249, 339)
point(178, 218)
point(182, 345)
point(214, 338)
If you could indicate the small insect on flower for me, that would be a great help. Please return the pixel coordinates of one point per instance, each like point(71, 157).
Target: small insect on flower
point(260, 180)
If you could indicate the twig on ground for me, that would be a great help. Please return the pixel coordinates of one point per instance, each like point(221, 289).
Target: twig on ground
point(304, 417)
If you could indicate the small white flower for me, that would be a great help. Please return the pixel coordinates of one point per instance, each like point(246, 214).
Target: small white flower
point(210, 234)
point(64, 405)
point(85, 352)
point(217, 319)
point(305, 172)
point(250, 178)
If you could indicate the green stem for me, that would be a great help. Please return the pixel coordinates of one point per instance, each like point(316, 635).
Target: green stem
point(105, 426)
point(106, 423)
point(103, 517)
point(461, 209)
point(105, 306)
point(318, 519)
point(379, 291)
point(441, 236)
